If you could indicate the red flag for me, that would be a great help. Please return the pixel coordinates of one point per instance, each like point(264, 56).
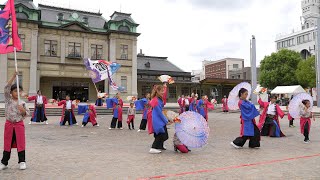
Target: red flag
point(9, 38)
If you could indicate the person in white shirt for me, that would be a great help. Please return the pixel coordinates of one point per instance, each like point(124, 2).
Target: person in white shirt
point(131, 114)
point(187, 103)
point(39, 113)
point(269, 119)
point(67, 112)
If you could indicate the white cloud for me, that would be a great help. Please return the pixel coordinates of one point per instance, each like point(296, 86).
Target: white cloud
point(189, 31)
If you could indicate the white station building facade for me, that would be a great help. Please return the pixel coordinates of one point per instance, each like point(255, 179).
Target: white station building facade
point(303, 40)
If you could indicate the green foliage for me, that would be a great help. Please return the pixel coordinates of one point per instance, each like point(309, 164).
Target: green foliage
point(306, 73)
point(279, 68)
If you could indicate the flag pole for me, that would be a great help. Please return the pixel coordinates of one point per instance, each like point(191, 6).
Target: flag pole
point(17, 76)
point(96, 87)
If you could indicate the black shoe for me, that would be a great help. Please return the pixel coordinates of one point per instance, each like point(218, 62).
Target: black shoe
point(175, 148)
point(188, 149)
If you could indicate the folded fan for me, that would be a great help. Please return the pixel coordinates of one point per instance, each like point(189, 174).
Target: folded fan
point(131, 98)
point(166, 78)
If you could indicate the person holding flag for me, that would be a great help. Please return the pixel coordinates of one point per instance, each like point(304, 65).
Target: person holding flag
point(99, 101)
point(16, 110)
point(14, 130)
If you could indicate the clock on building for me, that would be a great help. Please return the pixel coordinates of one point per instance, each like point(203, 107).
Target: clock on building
point(75, 16)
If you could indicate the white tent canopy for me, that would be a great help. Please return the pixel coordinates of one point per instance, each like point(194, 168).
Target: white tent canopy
point(288, 90)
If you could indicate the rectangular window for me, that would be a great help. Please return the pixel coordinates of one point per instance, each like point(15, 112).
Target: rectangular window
point(185, 91)
point(235, 66)
point(23, 40)
point(96, 51)
point(145, 76)
point(124, 82)
point(145, 90)
point(172, 92)
point(306, 38)
point(310, 36)
point(50, 47)
point(124, 51)
point(74, 50)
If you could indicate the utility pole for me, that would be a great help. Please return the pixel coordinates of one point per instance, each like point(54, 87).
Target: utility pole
point(253, 62)
point(318, 62)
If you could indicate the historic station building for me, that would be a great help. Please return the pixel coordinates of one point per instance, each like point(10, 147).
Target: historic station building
point(55, 40)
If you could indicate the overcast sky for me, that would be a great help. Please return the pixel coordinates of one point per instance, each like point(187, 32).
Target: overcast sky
point(189, 31)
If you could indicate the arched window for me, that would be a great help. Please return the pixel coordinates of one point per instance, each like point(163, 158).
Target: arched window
point(60, 17)
point(307, 25)
point(22, 16)
point(305, 54)
point(85, 20)
point(124, 28)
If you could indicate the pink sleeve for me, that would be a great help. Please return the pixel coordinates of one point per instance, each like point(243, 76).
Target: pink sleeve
point(261, 102)
point(239, 103)
point(93, 109)
point(164, 98)
point(61, 103)
point(121, 103)
point(31, 98)
point(154, 102)
point(45, 100)
point(210, 105)
point(279, 111)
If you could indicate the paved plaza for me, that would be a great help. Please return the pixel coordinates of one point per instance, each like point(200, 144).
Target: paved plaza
point(55, 152)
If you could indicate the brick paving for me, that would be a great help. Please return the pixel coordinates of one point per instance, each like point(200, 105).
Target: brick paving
point(55, 152)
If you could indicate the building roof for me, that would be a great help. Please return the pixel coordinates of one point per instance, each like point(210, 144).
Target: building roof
point(153, 63)
point(221, 60)
point(119, 16)
point(27, 3)
point(214, 81)
point(50, 14)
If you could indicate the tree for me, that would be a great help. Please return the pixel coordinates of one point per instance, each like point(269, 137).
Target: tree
point(279, 68)
point(306, 73)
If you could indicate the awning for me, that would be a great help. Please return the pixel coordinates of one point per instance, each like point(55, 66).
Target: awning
point(288, 90)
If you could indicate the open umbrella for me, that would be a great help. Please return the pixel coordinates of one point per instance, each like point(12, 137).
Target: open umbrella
point(296, 104)
point(193, 130)
point(233, 98)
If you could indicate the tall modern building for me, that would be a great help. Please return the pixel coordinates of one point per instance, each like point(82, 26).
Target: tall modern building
point(55, 40)
point(303, 40)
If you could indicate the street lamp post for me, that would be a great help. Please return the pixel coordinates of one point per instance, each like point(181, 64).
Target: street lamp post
point(318, 62)
point(253, 59)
